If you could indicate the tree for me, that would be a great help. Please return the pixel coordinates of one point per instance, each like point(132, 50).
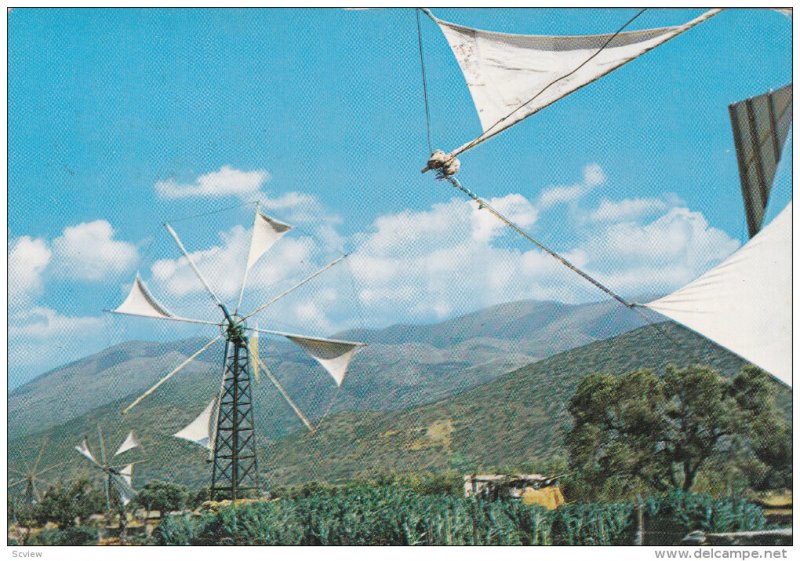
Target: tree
point(62, 503)
point(660, 431)
point(162, 496)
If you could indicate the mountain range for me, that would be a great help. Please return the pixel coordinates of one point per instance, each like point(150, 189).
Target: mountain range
point(485, 390)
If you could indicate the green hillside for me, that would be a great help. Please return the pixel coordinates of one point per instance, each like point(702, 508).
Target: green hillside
point(402, 366)
point(518, 417)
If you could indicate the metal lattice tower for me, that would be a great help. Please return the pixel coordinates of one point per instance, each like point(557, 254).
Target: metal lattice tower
point(235, 462)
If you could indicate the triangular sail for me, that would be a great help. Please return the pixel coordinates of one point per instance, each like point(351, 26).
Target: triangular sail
point(123, 484)
point(201, 430)
point(130, 442)
point(511, 77)
point(760, 127)
point(266, 231)
point(141, 303)
point(334, 356)
point(745, 303)
point(83, 448)
point(126, 473)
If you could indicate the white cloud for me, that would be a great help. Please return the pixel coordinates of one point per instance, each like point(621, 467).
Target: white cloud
point(627, 209)
point(40, 338)
point(514, 206)
point(89, 252)
point(659, 255)
point(593, 176)
point(27, 260)
point(227, 181)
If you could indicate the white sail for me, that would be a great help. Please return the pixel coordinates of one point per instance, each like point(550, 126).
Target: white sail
point(123, 483)
point(130, 442)
point(266, 231)
point(83, 448)
point(511, 77)
point(126, 473)
point(141, 303)
point(201, 430)
point(745, 303)
point(760, 127)
point(334, 356)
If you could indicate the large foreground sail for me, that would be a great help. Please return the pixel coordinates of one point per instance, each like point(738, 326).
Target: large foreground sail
point(745, 303)
point(511, 77)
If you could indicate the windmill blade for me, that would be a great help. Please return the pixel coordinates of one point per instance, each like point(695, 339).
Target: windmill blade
point(332, 354)
point(130, 442)
point(285, 395)
point(179, 319)
point(180, 367)
point(18, 472)
point(17, 482)
point(125, 490)
point(295, 287)
point(140, 303)
point(102, 445)
point(83, 448)
point(266, 232)
point(39, 457)
point(51, 468)
point(36, 494)
point(200, 430)
point(194, 267)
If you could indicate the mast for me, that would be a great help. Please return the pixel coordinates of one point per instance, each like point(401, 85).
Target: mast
point(235, 466)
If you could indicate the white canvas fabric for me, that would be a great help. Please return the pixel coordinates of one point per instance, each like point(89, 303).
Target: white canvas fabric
point(745, 303)
point(130, 442)
point(141, 303)
point(123, 484)
point(83, 448)
point(334, 356)
point(254, 359)
point(201, 429)
point(127, 474)
point(760, 127)
point(504, 72)
point(266, 231)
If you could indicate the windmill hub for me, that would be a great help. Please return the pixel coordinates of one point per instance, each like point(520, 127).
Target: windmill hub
point(234, 329)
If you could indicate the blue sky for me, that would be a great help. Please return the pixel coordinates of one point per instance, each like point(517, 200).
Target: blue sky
point(122, 119)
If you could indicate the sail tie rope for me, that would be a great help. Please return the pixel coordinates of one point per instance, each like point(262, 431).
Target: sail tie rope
point(445, 165)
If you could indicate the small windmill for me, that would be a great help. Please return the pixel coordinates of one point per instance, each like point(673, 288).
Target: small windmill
point(225, 427)
point(118, 477)
point(32, 475)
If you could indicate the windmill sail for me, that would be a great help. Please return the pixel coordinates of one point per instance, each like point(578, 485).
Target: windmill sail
point(123, 484)
point(141, 303)
point(334, 356)
point(760, 127)
point(83, 448)
point(511, 77)
point(126, 474)
point(266, 231)
point(745, 303)
point(201, 430)
point(130, 442)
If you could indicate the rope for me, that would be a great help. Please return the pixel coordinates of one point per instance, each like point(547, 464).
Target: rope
point(424, 82)
point(568, 74)
point(637, 308)
point(483, 204)
point(212, 212)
